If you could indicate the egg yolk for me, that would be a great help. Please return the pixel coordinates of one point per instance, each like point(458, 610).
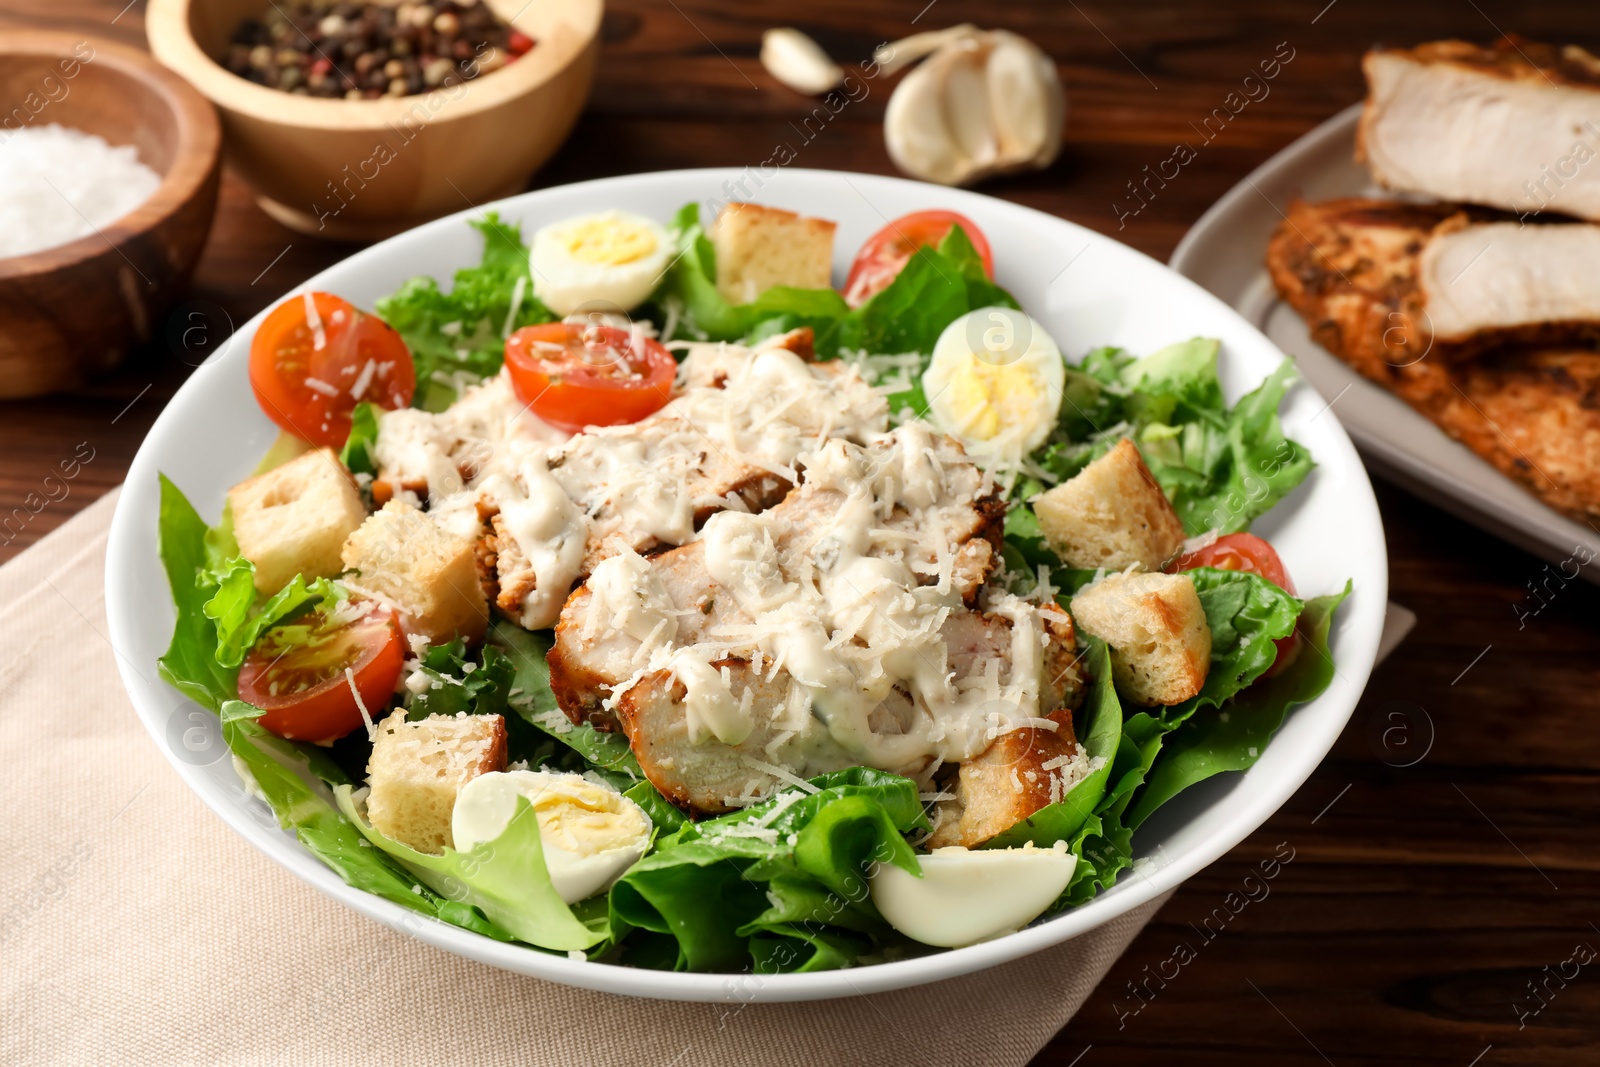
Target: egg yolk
point(608, 241)
point(986, 397)
point(586, 820)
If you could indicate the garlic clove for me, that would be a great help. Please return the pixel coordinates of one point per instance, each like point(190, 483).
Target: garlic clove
point(915, 133)
point(984, 103)
point(968, 108)
point(902, 53)
point(1028, 126)
point(799, 62)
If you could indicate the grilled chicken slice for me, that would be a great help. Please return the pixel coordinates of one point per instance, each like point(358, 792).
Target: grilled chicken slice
point(731, 438)
point(591, 656)
point(1535, 415)
point(1513, 126)
point(1350, 268)
point(849, 625)
point(790, 742)
point(1484, 285)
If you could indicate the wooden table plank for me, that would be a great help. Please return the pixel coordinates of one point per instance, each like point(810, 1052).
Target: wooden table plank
point(1421, 900)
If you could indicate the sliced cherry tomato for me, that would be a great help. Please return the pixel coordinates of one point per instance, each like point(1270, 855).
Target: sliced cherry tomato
point(888, 250)
point(297, 670)
point(574, 375)
point(316, 356)
point(1247, 552)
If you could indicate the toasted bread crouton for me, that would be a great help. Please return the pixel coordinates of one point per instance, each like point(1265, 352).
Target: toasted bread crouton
point(1024, 769)
point(760, 247)
point(1156, 627)
point(417, 768)
point(1111, 515)
point(430, 573)
point(293, 519)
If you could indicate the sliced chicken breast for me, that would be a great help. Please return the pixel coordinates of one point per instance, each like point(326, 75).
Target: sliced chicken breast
point(1515, 126)
point(1350, 268)
point(1487, 284)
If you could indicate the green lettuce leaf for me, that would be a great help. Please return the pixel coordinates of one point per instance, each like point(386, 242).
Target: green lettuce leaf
point(1246, 614)
point(530, 697)
point(1234, 738)
point(1101, 718)
point(505, 879)
point(333, 838)
point(707, 885)
point(1221, 467)
point(357, 454)
point(464, 330)
point(240, 624)
point(460, 684)
point(188, 553)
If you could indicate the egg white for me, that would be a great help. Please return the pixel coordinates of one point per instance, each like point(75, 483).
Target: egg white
point(965, 896)
point(603, 847)
point(994, 383)
point(573, 270)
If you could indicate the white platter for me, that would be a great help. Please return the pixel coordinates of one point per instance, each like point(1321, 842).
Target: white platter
point(1225, 252)
point(1087, 289)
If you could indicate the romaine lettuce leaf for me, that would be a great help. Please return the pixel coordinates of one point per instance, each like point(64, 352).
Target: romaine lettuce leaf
point(1221, 467)
point(1208, 744)
point(240, 624)
point(357, 454)
point(1246, 614)
point(505, 879)
point(1101, 720)
point(707, 885)
point(464, 330)
point(530, 697)
point(187, 552)
point(332, 837)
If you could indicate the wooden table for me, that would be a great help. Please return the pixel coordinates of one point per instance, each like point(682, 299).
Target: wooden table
point(1427, 907)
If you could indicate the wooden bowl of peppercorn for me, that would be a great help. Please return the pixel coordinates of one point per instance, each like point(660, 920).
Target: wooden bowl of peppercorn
point(356, 121)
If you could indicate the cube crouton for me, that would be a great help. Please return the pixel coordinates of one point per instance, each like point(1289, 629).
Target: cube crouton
point(1020, 772)
point(1111, 515)
point(760, 247)
point(430, 573)
point(417, 768)
point(1156, 628)
point(294, 519)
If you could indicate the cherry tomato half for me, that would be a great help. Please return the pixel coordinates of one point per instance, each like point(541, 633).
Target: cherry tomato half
point(888, 250)
point(1247, 552)
point(574, 375)
point(297, 670)
point(316, 356)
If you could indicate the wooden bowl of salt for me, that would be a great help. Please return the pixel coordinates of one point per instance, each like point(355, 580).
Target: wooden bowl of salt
point(94, 247)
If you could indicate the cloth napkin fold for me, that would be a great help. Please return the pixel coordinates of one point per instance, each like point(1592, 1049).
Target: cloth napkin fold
point(135, 927)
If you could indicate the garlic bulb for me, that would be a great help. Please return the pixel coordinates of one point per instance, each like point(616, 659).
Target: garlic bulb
point(799, 62)
point(985, 102)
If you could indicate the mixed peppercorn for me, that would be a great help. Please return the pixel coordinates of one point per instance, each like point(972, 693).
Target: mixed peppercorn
point(365, 51)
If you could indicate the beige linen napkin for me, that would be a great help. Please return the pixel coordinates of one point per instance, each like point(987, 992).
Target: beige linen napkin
point(135, 927)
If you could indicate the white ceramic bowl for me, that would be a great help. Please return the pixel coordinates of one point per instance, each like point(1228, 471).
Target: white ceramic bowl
point(1087, 289)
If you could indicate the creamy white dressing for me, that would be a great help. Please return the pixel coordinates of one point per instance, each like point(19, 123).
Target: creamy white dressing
point(548, 528)
point(845, 615)
point(567, 501)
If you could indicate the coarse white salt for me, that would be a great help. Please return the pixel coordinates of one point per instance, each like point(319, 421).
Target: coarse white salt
point(58, 184)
